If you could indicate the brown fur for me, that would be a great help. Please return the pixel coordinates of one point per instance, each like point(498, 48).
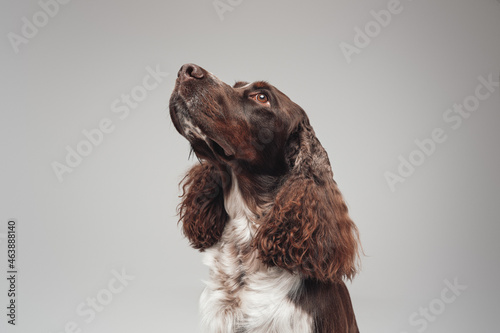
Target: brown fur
point(285, 179)
point(308, 228)
point(202, 207)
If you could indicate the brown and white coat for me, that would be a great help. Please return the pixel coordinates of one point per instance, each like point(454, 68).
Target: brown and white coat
point(264, 208)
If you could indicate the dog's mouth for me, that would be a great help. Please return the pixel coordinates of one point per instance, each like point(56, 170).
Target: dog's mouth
point(192, 119)
point(224, 151)
point(208, 148)
point(201, 140)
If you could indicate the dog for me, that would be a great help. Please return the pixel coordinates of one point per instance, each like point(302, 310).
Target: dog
point(263, 207)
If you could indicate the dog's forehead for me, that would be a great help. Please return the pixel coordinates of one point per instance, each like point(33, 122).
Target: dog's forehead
point(253, 85)
point(262, 85)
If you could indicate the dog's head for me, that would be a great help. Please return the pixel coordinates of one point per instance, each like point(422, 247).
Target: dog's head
point(254, 132)
point(247, 123)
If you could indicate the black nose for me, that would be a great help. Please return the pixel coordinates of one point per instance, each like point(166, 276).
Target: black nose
point(190, 71)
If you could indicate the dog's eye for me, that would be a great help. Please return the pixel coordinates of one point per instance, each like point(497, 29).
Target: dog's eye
point(261, 98)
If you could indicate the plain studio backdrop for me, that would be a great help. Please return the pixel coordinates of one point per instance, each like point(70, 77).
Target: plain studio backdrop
point(404, 96)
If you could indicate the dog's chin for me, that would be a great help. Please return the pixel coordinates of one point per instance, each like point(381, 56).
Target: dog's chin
point(203, 145)
point(202, 149)
point(178, 111)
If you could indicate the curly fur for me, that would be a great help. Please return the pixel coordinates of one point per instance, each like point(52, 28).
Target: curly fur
point(201, 210)
point(265, 209)
point(308, 228)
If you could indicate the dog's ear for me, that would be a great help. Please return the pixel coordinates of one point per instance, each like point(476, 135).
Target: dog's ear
point(308, 229)
point(201, 210)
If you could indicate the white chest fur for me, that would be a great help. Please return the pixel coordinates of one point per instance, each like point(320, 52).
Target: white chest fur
point(243, 295)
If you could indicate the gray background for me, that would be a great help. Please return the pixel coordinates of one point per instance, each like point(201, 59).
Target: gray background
point(116, 210)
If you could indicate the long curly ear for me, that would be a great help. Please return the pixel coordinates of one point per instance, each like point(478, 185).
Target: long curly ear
point(308, 229)
point(202, 211)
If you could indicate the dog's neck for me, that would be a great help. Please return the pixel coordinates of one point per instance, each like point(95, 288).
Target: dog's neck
point(234, 203)
point(249, 195)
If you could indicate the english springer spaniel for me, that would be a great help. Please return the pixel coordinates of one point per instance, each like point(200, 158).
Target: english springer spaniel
point(264, 208)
